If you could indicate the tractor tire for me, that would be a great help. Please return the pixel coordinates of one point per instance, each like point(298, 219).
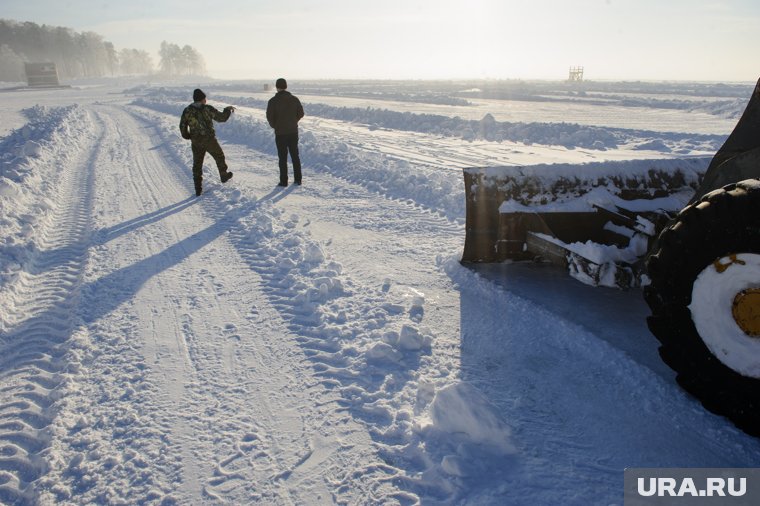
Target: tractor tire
point(704, 271)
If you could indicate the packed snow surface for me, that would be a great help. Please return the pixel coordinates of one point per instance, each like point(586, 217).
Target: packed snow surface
point(319, 344)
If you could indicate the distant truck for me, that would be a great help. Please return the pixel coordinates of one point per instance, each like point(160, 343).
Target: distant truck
point(41, 75)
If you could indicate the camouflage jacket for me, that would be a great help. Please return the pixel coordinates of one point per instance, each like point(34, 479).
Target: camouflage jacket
point(198, 120)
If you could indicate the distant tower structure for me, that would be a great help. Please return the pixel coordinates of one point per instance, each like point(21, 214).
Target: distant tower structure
point(576, 74)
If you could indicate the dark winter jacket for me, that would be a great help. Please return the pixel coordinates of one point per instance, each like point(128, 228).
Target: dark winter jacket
point(283, 113)
point(197, 120)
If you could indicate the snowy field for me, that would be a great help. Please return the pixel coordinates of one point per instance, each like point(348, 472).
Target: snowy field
point(322, 344)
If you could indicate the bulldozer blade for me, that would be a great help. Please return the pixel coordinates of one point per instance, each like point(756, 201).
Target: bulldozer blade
point(505, 204)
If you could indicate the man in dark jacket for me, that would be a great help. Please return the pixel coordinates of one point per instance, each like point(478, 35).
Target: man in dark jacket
point(197, 125)
point(283, 113)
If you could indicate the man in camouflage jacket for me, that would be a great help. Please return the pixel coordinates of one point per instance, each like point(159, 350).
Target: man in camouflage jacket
point(197, 125)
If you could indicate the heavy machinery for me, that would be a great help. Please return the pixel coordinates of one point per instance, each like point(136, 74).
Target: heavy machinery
point(689, 237)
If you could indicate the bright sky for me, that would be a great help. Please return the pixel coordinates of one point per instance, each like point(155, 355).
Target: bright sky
point(710, 40)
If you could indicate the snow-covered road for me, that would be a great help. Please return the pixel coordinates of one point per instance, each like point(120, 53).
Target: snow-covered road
point(309, 345)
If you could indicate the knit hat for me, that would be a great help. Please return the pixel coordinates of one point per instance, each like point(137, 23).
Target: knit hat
point(198, 95)
point(281, 84)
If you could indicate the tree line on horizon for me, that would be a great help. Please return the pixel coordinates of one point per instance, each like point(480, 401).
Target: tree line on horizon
point(86, 54)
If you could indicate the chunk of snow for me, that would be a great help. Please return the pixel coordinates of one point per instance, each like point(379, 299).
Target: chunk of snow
point(380, 352)
point(453, 465)
point(411, 339)
point(313, 254)
point(32, 148)
point(461, 408)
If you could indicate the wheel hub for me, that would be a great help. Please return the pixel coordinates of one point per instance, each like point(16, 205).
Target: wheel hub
point(725, 310)
point(746, 311)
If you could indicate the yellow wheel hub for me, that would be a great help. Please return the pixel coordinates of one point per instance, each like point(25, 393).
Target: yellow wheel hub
point(746, 311)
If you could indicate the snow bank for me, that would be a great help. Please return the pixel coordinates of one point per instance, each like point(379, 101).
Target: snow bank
point(569, 135)
point(30, 157)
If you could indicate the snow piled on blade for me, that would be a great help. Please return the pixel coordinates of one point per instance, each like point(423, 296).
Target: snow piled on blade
point(577, 187)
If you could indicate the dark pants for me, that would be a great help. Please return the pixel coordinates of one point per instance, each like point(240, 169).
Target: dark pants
point(288, 143)
point(201, 146)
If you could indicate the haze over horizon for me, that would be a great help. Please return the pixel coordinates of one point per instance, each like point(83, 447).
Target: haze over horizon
point(703, 40)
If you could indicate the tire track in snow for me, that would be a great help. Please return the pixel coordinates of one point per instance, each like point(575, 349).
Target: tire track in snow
point(119, 445)
point(38, 352)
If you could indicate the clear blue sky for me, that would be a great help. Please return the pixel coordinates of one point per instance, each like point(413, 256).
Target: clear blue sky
point(712, 40)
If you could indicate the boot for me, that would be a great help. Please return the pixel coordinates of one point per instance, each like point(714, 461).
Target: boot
point(198, 186)
point(226, 176)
